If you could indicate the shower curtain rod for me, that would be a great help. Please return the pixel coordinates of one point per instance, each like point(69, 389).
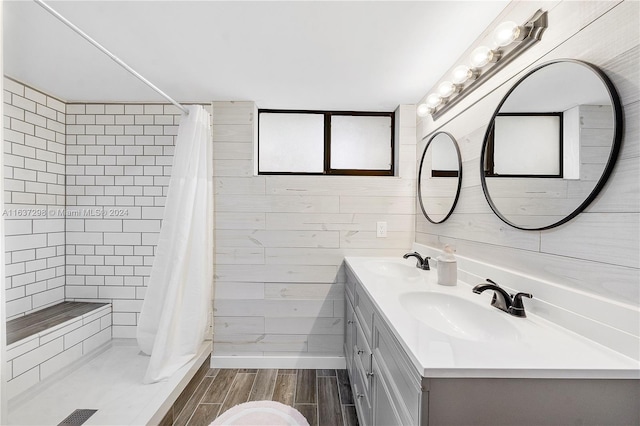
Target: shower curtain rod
point(109, 54)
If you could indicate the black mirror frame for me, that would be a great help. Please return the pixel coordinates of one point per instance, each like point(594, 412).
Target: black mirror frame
point(455, 201)
point(613, 155)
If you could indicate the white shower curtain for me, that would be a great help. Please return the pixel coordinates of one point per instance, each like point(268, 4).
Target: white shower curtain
point(173, 320)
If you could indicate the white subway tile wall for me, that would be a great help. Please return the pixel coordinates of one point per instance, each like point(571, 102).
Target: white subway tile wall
point(118, 168)
point(34, 191)
point(280, 241)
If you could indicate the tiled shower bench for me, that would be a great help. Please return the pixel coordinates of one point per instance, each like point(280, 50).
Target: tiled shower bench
point(43, 342)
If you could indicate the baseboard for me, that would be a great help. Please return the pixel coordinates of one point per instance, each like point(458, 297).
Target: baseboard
point(302, 362)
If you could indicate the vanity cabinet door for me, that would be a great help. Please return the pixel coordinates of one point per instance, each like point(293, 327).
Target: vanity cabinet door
point(384, 412)
point(404, 382)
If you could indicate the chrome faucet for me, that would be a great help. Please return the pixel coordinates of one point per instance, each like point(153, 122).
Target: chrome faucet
point(502, 300)
point(421, 263)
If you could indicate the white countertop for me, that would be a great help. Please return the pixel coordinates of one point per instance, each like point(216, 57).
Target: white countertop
point(537, 348)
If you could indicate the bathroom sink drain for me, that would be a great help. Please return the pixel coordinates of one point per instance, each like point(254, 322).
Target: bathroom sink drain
point(77, 418)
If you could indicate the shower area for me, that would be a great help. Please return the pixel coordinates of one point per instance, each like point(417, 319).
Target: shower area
point(93, 193)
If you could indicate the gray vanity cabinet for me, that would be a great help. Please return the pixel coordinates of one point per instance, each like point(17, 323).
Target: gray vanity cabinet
point(389, 391)
point(386, 388)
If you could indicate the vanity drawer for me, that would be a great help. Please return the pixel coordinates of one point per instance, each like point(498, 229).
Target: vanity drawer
point(404, 382)
point(364, 309)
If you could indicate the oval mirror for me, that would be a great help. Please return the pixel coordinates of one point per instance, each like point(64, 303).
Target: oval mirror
point(439, 177)
point(551, 144)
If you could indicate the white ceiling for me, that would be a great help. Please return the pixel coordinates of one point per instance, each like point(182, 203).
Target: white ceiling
point(362, 55)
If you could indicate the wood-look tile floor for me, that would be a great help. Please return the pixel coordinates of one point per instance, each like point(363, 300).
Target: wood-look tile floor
point(322, 396)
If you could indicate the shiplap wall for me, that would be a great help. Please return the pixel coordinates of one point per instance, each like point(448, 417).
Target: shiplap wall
point(280, 241)
point(599, 251)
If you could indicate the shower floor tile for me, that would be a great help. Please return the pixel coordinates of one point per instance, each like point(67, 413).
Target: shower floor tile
point(109, 381)
point(322, 396)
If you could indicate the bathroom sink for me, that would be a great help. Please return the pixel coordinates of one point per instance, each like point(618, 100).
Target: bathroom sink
point(393, 269)
point(458, 317)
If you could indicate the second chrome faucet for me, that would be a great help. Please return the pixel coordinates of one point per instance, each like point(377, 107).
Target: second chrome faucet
point(511, 304)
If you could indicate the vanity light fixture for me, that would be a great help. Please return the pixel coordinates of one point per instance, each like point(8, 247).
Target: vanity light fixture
point(506, 33)
point(510, 40)
point(482, 55)
point(430, 105)
point(434, 100)
point(462, 73)
point(423, 110)
point(446, 89)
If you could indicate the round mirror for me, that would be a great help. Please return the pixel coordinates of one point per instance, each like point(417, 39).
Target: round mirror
point(551, 144)
point(439, 177)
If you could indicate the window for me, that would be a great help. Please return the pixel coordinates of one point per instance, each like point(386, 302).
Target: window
point(525, 145)
point(325, 142)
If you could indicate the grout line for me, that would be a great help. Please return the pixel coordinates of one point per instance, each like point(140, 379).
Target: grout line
point(205, 391)
point(253, 385)
point(295, 387)
point(187, 403)
point(317, 400)
point(235, 377)
point(218, 412)
point(273, 388)
point(342, 411)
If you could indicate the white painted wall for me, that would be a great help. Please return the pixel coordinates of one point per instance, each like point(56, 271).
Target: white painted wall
point(598, 252)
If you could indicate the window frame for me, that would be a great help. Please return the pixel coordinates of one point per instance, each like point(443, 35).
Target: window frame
point(489, 165)
point(328, 171)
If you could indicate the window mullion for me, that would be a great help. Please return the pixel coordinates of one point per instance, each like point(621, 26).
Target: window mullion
point(327, 143)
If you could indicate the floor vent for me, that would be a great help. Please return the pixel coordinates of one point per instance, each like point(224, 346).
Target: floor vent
point(77, 418)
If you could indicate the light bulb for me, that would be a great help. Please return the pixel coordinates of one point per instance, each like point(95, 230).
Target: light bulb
point(446, 89)
point(506, 33)
point(481, 56)
point(423, 110)
point(461, 74)
point(433, 100)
